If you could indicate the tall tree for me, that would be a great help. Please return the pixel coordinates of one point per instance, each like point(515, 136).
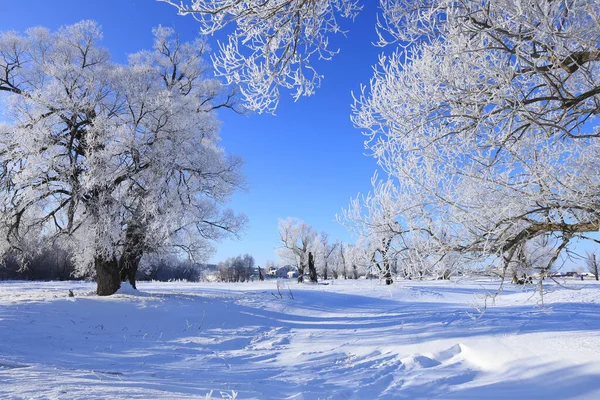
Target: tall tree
point(325, 253)
point(487, 120)
point(298, 241)
point(122, 159)
point(483, 116)
point(373, 218)
point(593, 263)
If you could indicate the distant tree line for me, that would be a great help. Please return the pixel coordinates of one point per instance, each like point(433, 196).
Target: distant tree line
point(56, 263)
point(50, 264)
point(236, 269)
point(376, 256)
point(482, 119)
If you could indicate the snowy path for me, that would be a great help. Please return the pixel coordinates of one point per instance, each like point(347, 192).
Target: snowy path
point(349, 340)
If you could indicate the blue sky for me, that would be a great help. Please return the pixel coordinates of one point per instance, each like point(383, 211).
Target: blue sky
point(305, 162)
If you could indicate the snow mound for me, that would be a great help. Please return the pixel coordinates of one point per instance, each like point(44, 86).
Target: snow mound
point(435, 359)
point(425, 362)
point(127, 289)
point(450, 353)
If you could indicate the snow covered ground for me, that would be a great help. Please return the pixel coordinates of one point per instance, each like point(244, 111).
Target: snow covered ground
point(346, 340)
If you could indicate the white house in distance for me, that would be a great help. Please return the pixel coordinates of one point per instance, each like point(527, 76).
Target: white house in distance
point(287, 271)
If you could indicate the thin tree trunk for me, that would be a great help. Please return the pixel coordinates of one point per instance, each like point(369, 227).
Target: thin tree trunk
point(387, 274)
point(344, 273)
point(128, 265)
point(132, 253)
point(301, 272)
point(107, 276)
point(312, 271)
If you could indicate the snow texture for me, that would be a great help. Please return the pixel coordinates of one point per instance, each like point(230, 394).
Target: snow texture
point(347, 340)
point(126, 288)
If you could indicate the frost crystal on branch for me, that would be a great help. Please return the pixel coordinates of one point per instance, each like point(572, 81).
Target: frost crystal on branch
point(484, 117)
point(486, 121)
point(274, 43)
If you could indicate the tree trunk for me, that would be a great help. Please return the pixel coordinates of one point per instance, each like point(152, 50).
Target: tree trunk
point(301, 273)
point(515, 277)
point(107, 276)
point(132, 253)
point(388, 274)
point(312, 271)
point(325, 271)
point(128, 265)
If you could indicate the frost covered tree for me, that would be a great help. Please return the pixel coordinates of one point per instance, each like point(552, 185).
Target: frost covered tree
point(325, 253)
point(273, 44)
point(359, 261)
point(592, 263)
point(486, 121)
point(534, 257)
point(236, 269)
point(113, 160)
point(340, 266)
point(373, 218)
point(483, 116)
point(298, 246)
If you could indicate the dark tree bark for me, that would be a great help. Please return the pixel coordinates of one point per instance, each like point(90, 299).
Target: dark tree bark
point(592, 262)
point(301, 272)
point(132, 253)
point(344, 273)
point(128, 265)
point(107, 276)
point(312, 271)
point(388, 274)
point(385, 269)
point(325, 271)
point(354, 271)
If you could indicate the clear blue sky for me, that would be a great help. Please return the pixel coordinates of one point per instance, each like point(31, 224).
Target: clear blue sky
point(305, 162)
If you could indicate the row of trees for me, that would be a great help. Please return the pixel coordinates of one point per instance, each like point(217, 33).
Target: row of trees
point(374, 256)
point(236, 269)
point(56, 263)
point(111, 162)
point(304, 247)
point(48, 264)
point(483, 118)
point(313, 252)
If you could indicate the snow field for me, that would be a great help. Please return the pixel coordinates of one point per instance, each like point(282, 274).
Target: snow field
point(347, 340)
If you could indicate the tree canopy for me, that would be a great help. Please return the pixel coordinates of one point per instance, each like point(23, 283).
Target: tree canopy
point(484, 117)
point(114, 161)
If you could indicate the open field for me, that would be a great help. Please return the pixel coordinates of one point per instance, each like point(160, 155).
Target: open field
point(346, 340)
